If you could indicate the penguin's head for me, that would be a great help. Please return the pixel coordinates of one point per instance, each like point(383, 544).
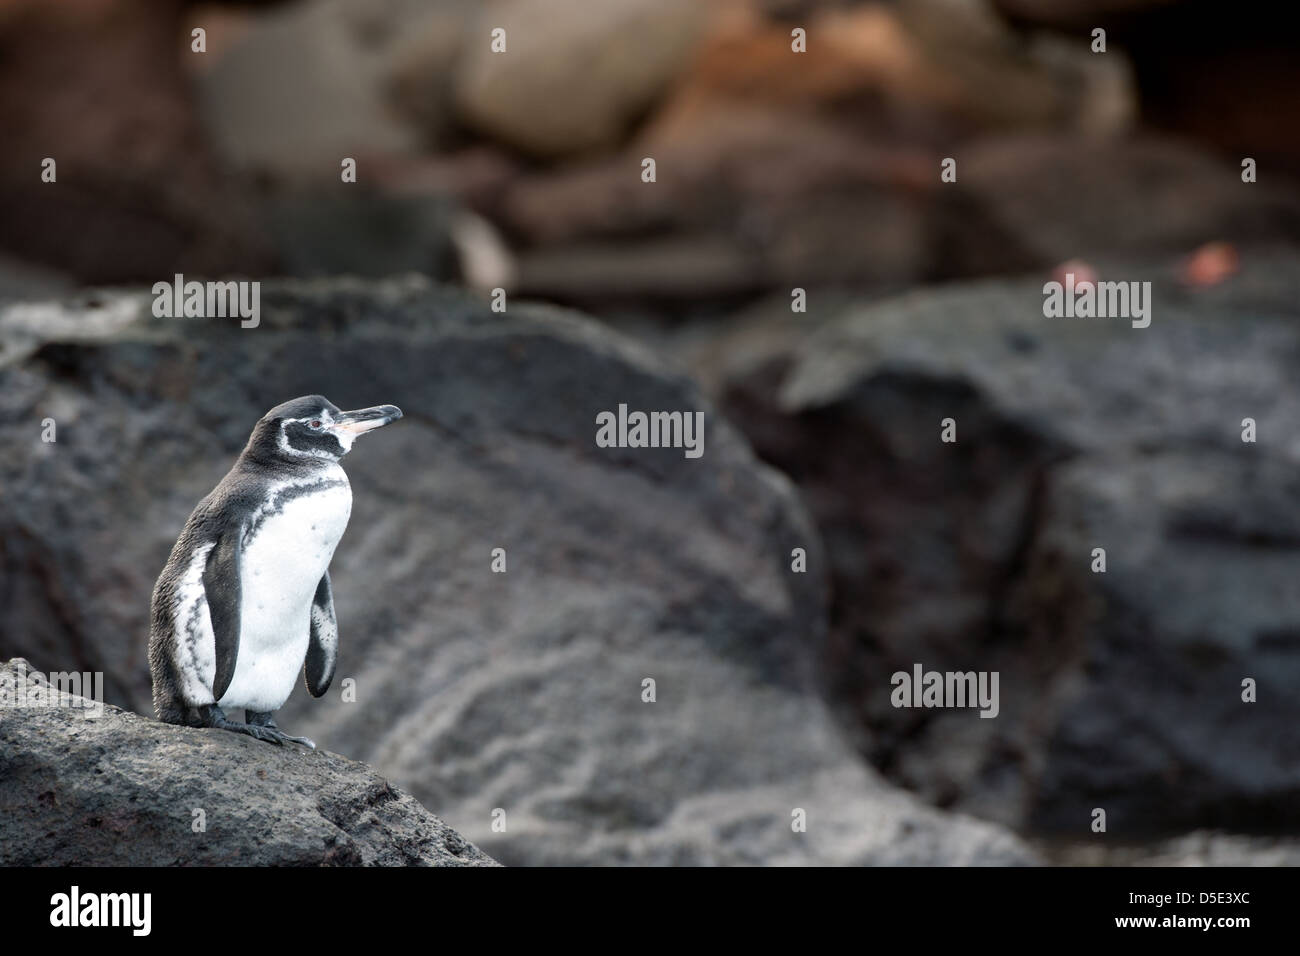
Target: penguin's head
point(314, 428)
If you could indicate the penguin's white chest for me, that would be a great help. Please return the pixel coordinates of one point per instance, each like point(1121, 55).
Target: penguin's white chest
point(287, 550)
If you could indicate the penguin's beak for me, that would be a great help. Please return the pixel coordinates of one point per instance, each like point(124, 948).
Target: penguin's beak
point(366, 419)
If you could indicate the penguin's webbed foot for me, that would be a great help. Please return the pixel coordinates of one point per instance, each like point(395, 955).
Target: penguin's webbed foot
point(213, 716)
point(264, 723)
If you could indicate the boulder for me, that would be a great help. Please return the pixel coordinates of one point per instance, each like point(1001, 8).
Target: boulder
point(109, 788)
point(516, 703)
point(1121, 690)
point(306, 85)
point(574, 75)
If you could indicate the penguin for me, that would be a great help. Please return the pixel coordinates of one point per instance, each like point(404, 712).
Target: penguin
point(244, 603)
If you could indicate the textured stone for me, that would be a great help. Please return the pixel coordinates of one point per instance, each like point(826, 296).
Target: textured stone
point(122, 790)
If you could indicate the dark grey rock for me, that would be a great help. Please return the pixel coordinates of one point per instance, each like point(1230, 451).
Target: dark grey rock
point(122, 790)
point(1119, 690)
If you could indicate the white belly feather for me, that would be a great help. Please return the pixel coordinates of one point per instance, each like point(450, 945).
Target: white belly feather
point(282, 564)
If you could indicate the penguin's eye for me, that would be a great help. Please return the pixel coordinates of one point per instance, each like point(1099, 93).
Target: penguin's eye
point(316, 423)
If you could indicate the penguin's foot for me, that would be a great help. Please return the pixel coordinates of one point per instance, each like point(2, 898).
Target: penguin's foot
point(213, 716)
point(265, 722)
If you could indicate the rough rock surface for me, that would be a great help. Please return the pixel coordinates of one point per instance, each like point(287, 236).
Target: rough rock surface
point(121, 790)
point(478, 691)
point(1121, 689)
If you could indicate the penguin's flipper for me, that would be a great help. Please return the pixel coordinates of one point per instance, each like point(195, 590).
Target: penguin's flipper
point(322, 652)
point(222, 591)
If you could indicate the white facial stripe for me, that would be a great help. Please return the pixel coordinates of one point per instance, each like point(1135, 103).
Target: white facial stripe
point(324, 417)
point(327, 420)
point(283, 441)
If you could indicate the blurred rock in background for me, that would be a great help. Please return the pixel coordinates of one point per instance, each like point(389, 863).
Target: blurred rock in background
point(302, 86)
point(575, 76)
point(98, 86)
point(774, 168)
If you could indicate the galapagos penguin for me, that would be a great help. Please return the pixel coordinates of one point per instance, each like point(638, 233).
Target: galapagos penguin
point(244, 603)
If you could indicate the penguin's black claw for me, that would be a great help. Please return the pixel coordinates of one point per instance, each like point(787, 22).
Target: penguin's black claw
point(214, 716)
point(271, 736)
point(263, 724)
